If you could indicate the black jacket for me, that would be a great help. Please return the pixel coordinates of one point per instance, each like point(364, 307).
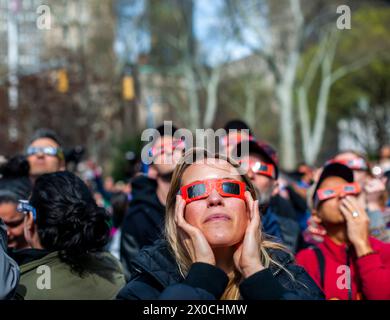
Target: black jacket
point(143, 222)
point(155, 275)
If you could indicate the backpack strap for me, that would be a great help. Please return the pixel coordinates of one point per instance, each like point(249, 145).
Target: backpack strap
point(321, 263)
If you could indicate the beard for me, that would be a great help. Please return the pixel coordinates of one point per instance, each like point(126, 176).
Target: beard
point(265, 196)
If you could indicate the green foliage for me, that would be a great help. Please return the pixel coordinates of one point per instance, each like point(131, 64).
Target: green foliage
point(367, 42)
point(120, 165)
point(369, 36)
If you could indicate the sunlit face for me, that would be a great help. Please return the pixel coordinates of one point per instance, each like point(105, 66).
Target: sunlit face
point(358, 175)
point(167, 156)
point(14, 223)
point(223, 220)
point(41, 163)
point(329, 210)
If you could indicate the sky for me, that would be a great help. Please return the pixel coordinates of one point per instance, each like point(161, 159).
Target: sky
point(207, 25)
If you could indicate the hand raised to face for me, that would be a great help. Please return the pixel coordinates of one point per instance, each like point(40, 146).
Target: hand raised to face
point(247, 255)
point(194, 240)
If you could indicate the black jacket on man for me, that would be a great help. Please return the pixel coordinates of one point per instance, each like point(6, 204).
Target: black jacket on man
point(144, 221)
point(155, 275)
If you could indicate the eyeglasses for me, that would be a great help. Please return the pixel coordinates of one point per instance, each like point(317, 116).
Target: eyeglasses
point(353, 164)
point(48, 151)
point(202, 189)
point(262, 168)
point(25, 207)
point(161, 149)
point(342, 190)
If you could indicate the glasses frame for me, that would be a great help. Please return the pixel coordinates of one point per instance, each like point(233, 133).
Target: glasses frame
point(213, 184)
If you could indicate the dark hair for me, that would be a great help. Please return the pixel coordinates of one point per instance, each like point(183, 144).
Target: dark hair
point(68, 219)
point(119, 204)
point(16, 167)
point(160, 130)
point(45, 133)
point(7, 197)
point(237, 125)
point(14, 177)
point(387, 175)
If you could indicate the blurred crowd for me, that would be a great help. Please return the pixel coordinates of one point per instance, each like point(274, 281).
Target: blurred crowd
point(106, 239)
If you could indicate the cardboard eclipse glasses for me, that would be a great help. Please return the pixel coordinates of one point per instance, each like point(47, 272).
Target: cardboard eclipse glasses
point(201, 189)
point(342, 190)
point(262, 168)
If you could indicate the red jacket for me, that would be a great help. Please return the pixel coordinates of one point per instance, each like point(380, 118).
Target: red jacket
point(369, 275)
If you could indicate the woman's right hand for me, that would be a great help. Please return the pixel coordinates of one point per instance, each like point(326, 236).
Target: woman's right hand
point(194, 239)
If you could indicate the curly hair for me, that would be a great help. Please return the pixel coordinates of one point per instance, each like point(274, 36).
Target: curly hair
point(68, 218)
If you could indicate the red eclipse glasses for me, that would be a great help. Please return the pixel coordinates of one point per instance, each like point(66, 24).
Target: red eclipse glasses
point(343, 190)
point(258, 167)
point(263, 168)
point(201, 189)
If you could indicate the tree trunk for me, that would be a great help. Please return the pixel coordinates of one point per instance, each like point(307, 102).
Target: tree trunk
point(193, 98)
point(287, 136)
point(212, 98)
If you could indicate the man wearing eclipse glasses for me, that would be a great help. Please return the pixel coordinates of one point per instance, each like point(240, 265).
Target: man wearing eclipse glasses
point(261, 165)
point(45, 154)
point(144, 221)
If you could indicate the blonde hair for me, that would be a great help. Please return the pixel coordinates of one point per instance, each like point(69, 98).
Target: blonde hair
point(172, 234)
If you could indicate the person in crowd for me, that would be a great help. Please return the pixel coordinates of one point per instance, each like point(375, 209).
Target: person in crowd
point(373, 191)
point(279, 217)
point(349, 263)
point(262, 170)
point(119, 208)
point(144, 222)
point(304, 180)
point(66, 231)
point(236, 131)
point(44, 153)
point(109, 184)
point(213, 246)
point(9, 270)
point(384, 157)
point(13, 220)
point(14, 185)
point(387, 208)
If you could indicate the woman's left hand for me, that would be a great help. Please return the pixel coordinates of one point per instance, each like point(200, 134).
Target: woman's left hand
point(247, 255)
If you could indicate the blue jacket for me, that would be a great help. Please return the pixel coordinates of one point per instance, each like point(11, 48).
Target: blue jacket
point(155, 275)
point(271, 225)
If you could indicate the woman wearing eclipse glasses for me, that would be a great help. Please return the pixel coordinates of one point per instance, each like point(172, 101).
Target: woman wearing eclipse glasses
point(348, 264)
point(214, 248)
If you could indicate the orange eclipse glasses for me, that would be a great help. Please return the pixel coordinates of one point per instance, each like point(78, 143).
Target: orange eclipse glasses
point(342, 190)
